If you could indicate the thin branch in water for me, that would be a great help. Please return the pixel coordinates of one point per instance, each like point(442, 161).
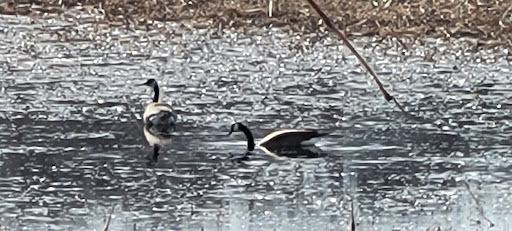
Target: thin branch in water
point(352, 222)
point(342, 36)
point(435, 228)
point(478, 205)
point(109, 218)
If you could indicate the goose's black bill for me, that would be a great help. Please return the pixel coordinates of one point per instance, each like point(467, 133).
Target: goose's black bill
point(149, 82)
point(232, 129)
point(236, 127)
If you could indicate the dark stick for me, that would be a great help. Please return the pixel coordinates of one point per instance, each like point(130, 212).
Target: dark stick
point(156, 149)
point(352, 215)
point(331, 26)
point(477, 202)
point(109, 218)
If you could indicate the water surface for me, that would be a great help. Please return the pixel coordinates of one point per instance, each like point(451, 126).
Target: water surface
point(72, 148)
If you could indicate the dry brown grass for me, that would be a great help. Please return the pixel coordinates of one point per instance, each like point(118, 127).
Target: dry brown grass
point(488, 21)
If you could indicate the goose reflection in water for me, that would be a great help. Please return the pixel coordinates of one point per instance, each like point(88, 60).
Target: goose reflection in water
point(158, 135)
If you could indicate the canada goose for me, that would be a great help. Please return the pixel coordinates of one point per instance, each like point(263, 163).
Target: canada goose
point(159, 119)
point(284, 139)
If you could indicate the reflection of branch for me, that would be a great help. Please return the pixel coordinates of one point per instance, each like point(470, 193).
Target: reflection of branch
point(352, 223)
point(109, 218)
point(478, 206)
point(350, 193)
point(340, 34)
point(434, 228)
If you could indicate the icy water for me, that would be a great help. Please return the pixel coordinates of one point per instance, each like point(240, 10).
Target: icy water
point(73, 151)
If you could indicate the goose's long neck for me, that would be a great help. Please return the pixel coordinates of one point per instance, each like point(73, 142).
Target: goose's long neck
point(248, 135)
point(156, 89)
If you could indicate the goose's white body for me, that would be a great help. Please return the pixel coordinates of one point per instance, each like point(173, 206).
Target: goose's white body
point(155, 108)
point(159, 119)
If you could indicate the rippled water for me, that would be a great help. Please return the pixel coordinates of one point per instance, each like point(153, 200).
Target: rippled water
point(72, 148)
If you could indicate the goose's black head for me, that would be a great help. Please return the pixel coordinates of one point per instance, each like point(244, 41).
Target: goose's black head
point(239, 127)
point(150, 83)
point(234, 128)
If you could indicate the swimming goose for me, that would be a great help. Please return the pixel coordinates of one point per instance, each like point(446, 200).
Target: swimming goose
point(284, 139)
point(159, 119)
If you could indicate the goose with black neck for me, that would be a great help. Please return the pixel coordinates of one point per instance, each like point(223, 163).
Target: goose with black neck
point(293, 143)
point(159, 120)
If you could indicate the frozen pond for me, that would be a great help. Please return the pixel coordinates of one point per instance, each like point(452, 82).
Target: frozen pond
point(72, 148)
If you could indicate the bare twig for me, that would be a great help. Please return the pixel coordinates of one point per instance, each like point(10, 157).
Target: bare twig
point(434, 228)
point(342, 36)
point(109, 218)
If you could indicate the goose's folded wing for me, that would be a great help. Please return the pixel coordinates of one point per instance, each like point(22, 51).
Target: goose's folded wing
point(289, 137)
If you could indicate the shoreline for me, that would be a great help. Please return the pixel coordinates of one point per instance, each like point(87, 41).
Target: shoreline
point(489, 25)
